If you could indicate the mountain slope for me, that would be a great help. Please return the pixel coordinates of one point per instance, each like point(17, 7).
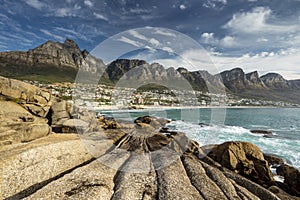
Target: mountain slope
point(237, 81)
point(59, 62)
point(51, 61)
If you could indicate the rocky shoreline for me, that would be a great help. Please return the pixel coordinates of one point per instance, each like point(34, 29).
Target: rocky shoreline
point(51, 149)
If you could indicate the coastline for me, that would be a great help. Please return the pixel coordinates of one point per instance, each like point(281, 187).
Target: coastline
point(113, 107)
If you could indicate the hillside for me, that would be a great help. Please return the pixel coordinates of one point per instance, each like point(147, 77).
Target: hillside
point(60, 62)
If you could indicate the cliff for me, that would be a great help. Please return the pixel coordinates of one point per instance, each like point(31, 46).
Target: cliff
point(51, 61)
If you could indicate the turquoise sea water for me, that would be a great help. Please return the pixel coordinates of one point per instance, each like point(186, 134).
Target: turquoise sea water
point(234, 124)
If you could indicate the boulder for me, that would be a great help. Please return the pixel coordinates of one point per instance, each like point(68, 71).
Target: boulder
point(110, 124)
point(18, 125)
point(153, 121)
point(274, 160)
point(59, 114)
point(27, 167)
point(243, 158)
point(74, 126)
point(291, 178)
point(63, 111)
point(32, 98)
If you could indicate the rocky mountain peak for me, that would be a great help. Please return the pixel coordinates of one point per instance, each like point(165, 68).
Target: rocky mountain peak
point(70, 43)
point(272, 75)
point(236, 71)
point(182, 70)
point(85, 53)
point(253, 74)
point(275, 81)
point(236, 80)
point(51, 59)
point(254, 79)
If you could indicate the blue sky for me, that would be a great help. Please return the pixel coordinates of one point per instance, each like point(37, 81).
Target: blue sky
point(253, 34)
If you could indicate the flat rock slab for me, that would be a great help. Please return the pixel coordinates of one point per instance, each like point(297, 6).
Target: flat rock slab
point(27, 165)
point(93, 181)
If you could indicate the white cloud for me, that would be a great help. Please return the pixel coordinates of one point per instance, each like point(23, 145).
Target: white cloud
point(77, 7)
point(137, 35)
point(182, 7)
point(262, 39)
point(168, 49)
point(208, 38)
point(46, 32)
point(88, 3)
point(139, 11)
point(129, 41)
point(228, 41)
point(99, 16)
point(73, 33)
point(192, 60)
point(164, 33)
point(65, 12)
point(154, 41)
point(284, 62)
point(35, 4)
point(215, 4)
point(256, 21)
point(253, 31)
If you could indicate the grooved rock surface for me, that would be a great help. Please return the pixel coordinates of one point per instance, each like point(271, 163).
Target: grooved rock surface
point(19, 125)
point(23, 111)
point(25, 166)
point(126, 164)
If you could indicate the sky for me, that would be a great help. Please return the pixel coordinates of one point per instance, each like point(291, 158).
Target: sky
point(262, 35)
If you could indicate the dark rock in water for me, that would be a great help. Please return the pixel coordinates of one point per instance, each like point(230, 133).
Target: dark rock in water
point(268, 136)
point(244, 158)
point(164, 130)
point(108, 123)
point(203, 124)
point(261, 131)
point(273, 160)
point(153, 121)
point(291, 178)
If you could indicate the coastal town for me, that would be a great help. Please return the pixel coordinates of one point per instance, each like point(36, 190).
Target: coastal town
point(98, 96)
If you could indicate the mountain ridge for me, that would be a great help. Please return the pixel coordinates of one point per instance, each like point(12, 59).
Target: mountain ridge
point(61, 61)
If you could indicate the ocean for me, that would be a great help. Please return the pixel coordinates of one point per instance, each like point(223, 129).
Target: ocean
point(218, 125)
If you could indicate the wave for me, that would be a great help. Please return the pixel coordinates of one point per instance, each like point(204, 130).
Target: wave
point(217, 134)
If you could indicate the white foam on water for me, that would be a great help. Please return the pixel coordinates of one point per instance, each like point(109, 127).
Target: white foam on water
point(279, 178)
point(259, 126)
point(216, 134)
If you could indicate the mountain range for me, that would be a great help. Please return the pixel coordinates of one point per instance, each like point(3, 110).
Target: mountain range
point(59, 62)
